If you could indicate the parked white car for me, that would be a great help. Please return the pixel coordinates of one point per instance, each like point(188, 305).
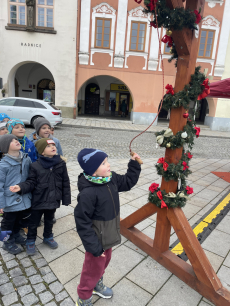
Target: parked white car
point(29, 110)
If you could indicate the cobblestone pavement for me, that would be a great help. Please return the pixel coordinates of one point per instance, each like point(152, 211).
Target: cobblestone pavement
point(116, 143)
point(51, 276)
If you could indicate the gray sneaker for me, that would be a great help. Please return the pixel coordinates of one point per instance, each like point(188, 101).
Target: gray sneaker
point(102, 290)
point(81, 302)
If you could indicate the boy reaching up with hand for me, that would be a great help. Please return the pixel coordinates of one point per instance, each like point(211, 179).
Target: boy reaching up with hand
point(97, 218)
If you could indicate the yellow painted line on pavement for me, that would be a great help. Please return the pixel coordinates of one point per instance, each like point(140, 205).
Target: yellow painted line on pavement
point(178, 249)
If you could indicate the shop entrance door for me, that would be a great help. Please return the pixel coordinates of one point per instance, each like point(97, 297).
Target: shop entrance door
point(124, 98)
point(92, 99)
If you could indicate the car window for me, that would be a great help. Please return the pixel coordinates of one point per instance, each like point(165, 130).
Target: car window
point(24, 103)
point(9, 102)
point(53, 106)
point(39, 105)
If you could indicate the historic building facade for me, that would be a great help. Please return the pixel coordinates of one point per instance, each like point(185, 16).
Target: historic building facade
point(38, 50)
point(119, 61)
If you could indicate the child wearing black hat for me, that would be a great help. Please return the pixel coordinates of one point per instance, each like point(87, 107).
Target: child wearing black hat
point(14, 168)
point(97, 218)
point(49, 183)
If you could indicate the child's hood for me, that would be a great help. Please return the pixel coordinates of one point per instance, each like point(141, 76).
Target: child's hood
point(83, 182)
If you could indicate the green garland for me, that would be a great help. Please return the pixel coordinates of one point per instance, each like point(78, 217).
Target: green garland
point(190, 92)
point(170, 202)
point(172, 19)
point(176, 141)
point(175, 172)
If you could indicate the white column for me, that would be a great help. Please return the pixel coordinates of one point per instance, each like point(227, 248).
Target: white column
point(222, 48)
point(154, 50)
point(84, 32)
point(120, 33)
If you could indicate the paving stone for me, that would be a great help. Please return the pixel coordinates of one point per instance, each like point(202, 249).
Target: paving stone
point(21, 255)
point(20, 281)
point(49, 278)
point(45, 297)
point(51, 304)
point(15, 272)
point(177, 292)
point(45, 270)
point(41, 262)
point(56, 287)
point(1, 270)
point(37, 256)
point(4, 279)
point(29, 299)
point(39, 288)
point(67, 302)
point(24, 290)
point(35, 279)
point(217, 242)
point(30, 271)
point(155, 280)
point(7, 257)
point(26, 262)
point(10, 299)
point(61, 296)
point(11, 264)
point(6, 288)
point(18, 304)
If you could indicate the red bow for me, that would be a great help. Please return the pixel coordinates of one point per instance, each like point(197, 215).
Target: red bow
point(185, 165)
point(198, 16)
point(167, 39)
point(197, 128)
point(138, 1)
point(189, 155)
point(161, 160)
point(165, 166)
point(152, 4)
point(153, 24)
point(189, 190)
point(206, 90)
point(169, 89)
point(160, 196)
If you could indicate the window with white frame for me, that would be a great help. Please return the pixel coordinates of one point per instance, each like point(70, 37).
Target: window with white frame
point(17, 12)
point(45, 13)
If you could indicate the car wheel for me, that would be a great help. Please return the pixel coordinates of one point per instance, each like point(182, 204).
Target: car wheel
point(34, 118)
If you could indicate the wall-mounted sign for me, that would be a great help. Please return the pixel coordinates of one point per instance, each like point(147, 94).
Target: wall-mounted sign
point(31, 45)
point(118, 87)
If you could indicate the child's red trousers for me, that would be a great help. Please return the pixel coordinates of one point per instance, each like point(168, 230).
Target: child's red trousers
point(93, 269)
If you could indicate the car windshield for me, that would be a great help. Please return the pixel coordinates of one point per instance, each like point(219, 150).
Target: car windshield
point(53, 106)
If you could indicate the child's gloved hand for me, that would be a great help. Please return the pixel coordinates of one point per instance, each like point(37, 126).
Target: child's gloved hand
point(5, 235)
point(15, 188)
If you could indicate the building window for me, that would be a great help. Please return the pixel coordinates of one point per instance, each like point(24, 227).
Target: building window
point(45, 11)
point(206, 43)
point(138, 32)
point(17, 12)
point(103, 33)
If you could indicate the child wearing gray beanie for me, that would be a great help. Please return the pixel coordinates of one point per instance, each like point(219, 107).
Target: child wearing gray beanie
point(14, 168)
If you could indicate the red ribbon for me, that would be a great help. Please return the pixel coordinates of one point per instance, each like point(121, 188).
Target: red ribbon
point(198, 16)
point(189, 155)
point(169, 89)
point(160, 196)
point(197, 128)
point(165, 166)
point(189, 190)
point(153, 24)
point(152, 5)
point(206, 91)
point(138, 1)
point(161, 160)
point(167, 40)
point(185, 165)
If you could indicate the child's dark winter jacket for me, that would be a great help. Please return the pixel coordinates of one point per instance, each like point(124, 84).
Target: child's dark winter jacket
point(48, 181)
point(97, 214)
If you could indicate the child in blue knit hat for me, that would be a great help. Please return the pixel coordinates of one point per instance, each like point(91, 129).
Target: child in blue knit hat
point(97, 217)
point(4, 117)
point(17, 128)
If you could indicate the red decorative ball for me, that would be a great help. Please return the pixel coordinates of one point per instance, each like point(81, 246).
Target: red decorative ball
point(185, 115)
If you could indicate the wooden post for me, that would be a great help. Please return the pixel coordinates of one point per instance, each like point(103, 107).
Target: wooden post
point(200, 276)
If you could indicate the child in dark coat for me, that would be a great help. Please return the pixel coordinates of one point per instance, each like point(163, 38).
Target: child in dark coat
point(49, 183)
point(97, 217)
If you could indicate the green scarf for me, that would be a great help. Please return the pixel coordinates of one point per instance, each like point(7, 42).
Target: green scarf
point(98, 179)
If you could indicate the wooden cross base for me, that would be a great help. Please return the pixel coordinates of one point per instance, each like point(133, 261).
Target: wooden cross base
point(199, 275)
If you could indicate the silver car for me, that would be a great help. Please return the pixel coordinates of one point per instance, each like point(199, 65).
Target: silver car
point(29, 110)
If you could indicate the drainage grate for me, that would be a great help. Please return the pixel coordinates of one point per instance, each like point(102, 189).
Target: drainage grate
point(82, 135)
